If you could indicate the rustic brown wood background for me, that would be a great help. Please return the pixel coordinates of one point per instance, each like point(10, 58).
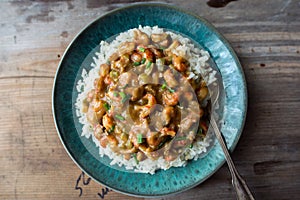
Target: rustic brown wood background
point(34, 35)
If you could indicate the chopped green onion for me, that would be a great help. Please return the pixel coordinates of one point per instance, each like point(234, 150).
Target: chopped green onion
point(180, 138)
point(164, 85)
point(142, 49)
point(191, 145)
point(108, 62)
point(139, 138)
point(120, 117)
point(106, 106)
point(82, 88)
point(136, 63)
point(148, 64)
point(162, 48)
point(143, 60)
point(115, 94)
point(111, 129)
point(122, 95)
point(171, 90)
point(135, 158)
point(126, 98)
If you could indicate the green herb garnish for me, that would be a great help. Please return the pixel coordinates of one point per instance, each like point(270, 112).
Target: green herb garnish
point(139, 138)
point(171, 90)
point(136, 63)
point(143, 60)
point(148, 64)
point(135, 158)
point(142, 49)
point(124, 97)
point(120, 117)
point(191, 145)
point(106, 106)
point(115, 94)
point(111, 129)
point(82, 88)
point(164, 86)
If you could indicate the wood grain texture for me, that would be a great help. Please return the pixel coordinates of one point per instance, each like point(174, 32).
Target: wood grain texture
point(33, 37)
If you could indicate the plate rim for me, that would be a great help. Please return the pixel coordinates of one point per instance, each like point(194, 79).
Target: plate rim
point(218, 34)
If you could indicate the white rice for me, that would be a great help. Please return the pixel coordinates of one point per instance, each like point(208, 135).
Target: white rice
point(198, 65)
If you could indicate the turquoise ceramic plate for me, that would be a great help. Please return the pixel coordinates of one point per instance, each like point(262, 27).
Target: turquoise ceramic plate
point(175, 179)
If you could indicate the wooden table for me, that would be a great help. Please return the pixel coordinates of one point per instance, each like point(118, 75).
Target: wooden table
point(34, 35)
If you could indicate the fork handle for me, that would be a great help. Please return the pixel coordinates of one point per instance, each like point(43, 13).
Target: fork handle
point(241, 188)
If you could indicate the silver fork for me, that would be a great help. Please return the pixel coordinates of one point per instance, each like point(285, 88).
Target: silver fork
point(241, 188)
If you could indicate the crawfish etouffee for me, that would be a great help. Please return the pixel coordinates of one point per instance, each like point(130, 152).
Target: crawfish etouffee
point(147, 106)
